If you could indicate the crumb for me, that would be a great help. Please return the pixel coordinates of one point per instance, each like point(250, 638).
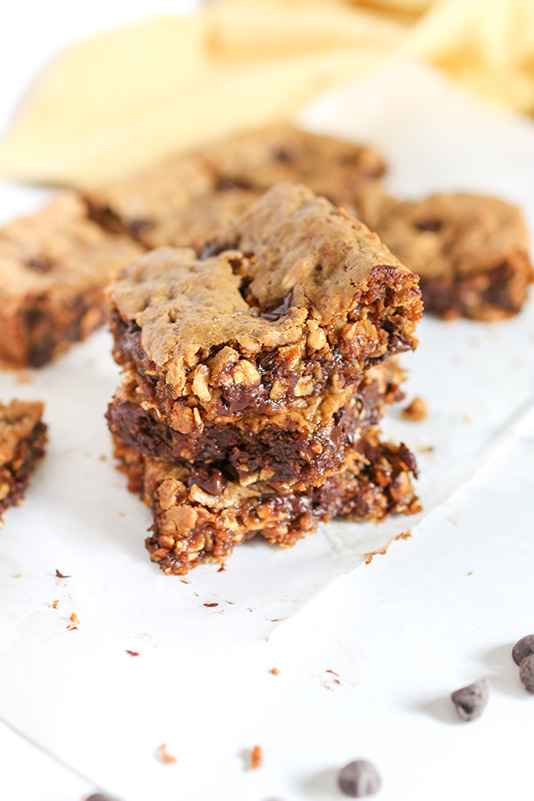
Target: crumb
point(211, 605)
point(132, 653)
point(425, 448)
point(416, 411)
point(122, 514)
point(74, 618)
point(54, 604)
point(333, 672)
point(221, 569)
point(274, 671)
point(102, 457)
point(255, 757)
point(70, 627)
point(19, 575)
point(373, 554)
point(165, 757)
point(184, 581)
point(23, 377)
point(404, 535)
point(470, 573)
point(465, 419)
point(60, 575)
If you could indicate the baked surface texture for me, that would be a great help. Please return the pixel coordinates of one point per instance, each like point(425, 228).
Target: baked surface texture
point(22, 442)
point(192, 525)
point(470, 251)
point(305, 302)
point(54, 266)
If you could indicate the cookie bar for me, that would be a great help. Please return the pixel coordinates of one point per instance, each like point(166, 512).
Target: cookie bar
point(305, 302)
point(289, 447)
point(22, 442)
point(470, 251)
point(54, 266)
point(181, 201)
point(193, 524)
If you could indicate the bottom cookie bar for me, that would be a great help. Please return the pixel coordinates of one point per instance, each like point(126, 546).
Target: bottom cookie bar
point(22, 441)
point(192, 525)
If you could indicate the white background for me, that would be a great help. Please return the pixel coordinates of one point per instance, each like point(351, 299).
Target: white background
point(440, 610)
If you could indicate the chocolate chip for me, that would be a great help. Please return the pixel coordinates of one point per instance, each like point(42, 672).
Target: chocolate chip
point(140, 224)
point(214, 248)
point(523, 648)
point(282, 154)
point(278, 310)
point(429, 225)
point(471, 701)
point(39, 264)
point(526, 673)
point(359, 779)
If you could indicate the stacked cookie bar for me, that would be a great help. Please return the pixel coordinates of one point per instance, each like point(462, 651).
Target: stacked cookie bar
point(254, 375)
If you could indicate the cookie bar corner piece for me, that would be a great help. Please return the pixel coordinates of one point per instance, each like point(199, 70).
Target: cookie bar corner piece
point(23, 436)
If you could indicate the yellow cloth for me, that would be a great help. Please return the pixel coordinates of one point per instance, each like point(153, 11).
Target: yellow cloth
point(123, 99)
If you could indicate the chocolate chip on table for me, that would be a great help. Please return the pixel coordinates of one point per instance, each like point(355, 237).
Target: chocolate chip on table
point(526, 673)
point(471, 701)
point(523, 648)
point(359, 779)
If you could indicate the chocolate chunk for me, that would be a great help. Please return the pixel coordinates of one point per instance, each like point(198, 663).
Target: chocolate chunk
point(523, 648)
point(471, 701)
point(138, 225)
point(39, 264)
point(526, 673)
point(277, 311)
point(359, 779)
point(429, 225)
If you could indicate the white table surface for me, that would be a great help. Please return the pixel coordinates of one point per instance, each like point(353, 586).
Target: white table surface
point(440, 610)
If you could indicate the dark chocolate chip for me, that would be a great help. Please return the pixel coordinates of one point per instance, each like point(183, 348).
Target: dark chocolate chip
point(214, 249)
point(277, 311)
point(282, 154)
point(526, 673)
point(359, 779)
point(429, 225)
point(523, 648)
point(211, 481)
point(39, 264)
point(140, 224)
point(471, 701)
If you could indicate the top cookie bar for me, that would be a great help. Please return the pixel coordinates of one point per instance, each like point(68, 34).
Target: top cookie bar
point(298, 300)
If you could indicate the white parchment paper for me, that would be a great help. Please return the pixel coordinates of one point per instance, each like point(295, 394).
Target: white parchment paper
point(477, 379)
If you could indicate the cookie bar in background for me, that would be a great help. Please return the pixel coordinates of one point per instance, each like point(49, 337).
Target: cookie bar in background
point(54, 266)
point(470, 251)
point(182, 200)
point(22, 441)
point(259, 372)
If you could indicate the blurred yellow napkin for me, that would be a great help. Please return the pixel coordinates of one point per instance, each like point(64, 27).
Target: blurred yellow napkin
point(119, 101)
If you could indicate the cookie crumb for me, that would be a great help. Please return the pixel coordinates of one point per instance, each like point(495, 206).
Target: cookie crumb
point(60, 575)
point(54, 604)
point(74, 618)
point(256, 757)
point(132, 653)
point(165, 757)
point(416, 411)
point(274, 671)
